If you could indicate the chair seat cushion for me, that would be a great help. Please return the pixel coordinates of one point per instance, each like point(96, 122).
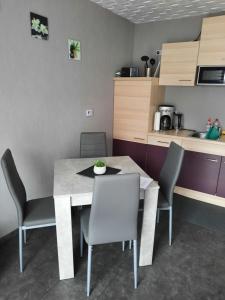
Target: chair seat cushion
point(39, 212)
point(84, 218)
point(162, 201)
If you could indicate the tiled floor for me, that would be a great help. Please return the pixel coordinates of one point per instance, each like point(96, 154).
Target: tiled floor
point(192, 268)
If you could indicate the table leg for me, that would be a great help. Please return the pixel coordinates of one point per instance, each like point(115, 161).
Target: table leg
point(64, 236)
point(148, 226)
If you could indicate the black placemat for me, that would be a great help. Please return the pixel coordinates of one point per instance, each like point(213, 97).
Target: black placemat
point(89, 172)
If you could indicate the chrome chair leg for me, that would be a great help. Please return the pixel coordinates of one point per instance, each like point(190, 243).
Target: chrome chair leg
point(25, 236)
point(130, 244)
point(89, 270)
point(170, 224)
point(158, 215)
point(123, 246)
point(135, 262)
point(81, 242)
point(21, 248)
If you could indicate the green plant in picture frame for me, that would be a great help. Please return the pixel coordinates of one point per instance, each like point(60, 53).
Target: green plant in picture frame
point(74, 49)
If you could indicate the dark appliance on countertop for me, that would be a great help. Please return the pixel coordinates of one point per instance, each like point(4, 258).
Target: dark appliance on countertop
point(211, 75)
point(177, 122)
point(129, 72)
point(166, 116)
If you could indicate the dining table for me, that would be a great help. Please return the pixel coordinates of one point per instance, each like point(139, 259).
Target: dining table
point(73, 189)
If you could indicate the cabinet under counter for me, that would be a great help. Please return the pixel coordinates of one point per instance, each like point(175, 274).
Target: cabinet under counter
point(203, 172)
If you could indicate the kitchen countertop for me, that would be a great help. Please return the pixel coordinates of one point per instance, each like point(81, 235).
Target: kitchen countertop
point(185, 133)
point(183, 138)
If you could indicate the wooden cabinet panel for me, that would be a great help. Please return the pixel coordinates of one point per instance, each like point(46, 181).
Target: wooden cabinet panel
point(163, 141)
point(155, 158)
point(178, 64)
point(221, 182)
point(135, 102)
point(132, 88)
point(212, 43)
point(200, 172)
point(131, 117)
point(136, 151)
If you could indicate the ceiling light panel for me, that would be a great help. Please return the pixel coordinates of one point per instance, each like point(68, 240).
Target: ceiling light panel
point(144, 11)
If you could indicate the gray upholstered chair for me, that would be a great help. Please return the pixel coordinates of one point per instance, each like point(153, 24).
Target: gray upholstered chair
point(31, 214)
point(167, 181)
point(113, 215)
point(93, 144)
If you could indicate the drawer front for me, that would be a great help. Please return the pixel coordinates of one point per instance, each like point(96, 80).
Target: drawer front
point(204, 146)
point(221, 182)
point(200, 172)
point(155, 158)
point(163, 141)
point(132, 136)
point(136, 151)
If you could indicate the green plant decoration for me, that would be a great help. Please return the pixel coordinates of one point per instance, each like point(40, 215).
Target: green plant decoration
point(100, 163)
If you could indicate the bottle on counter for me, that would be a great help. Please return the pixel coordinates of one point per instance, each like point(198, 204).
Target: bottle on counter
point(214, 131)
point(157, 121)
point(209, 124)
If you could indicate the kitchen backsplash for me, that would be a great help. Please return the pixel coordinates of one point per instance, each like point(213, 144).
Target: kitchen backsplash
point(197, 104)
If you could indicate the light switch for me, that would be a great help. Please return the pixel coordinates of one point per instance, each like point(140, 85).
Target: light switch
point(89, 112)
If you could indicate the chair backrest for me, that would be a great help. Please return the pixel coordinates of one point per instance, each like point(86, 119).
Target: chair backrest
point(170, 171)
point(93, 144)
point(114, 209)
point(15, 184)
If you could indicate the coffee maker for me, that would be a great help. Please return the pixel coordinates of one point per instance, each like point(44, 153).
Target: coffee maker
point(166, 116)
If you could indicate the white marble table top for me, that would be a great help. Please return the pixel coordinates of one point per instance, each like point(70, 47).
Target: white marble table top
point(68, 183)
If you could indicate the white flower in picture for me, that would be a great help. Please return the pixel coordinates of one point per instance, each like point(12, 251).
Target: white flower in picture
point(39, 26)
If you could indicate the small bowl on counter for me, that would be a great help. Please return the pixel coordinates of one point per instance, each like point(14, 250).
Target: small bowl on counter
point(199, 134)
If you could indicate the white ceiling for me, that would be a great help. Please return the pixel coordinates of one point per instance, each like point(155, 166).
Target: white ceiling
point(143, 11)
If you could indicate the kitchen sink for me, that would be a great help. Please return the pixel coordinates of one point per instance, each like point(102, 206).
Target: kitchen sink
point(199, 134)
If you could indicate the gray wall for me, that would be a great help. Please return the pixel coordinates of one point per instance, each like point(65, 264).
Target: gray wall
point(43, 95)
point(196, 103)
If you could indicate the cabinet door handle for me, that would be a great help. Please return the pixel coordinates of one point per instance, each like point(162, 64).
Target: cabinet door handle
point(161, 142)
point(212, 160)
point(136, 138)
point(185, 80)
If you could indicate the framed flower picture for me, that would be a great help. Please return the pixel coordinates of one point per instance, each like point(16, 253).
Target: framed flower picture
point(74, 50)
point(39, 26)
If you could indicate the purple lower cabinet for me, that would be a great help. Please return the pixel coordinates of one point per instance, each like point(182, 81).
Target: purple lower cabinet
point(200, 172)
point(221, 181)
point(156, 156)
point(136, 151)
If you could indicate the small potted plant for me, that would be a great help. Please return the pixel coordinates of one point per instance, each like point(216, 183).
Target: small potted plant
point(74, 49)
point(99, 167)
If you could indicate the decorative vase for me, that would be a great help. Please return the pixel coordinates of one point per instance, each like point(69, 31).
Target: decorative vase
point(99, 170)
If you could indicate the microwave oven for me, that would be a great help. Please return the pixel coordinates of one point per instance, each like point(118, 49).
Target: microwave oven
point(211, 75)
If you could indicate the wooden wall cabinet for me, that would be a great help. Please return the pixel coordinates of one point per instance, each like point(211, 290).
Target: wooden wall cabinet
point(178, 64)
point(135, 102)
point(212, 43)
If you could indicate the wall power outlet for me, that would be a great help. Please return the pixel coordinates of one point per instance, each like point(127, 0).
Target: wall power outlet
point(89, 113)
